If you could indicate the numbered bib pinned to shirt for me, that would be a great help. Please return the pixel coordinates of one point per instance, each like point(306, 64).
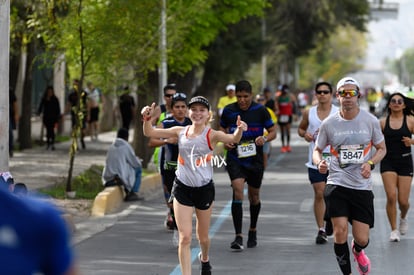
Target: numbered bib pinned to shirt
point(351, 154)
point(246, 149)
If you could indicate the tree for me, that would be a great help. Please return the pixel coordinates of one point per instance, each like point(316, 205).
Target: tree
point(333, 57)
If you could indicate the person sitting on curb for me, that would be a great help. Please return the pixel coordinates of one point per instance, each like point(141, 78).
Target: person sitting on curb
point(122, 167)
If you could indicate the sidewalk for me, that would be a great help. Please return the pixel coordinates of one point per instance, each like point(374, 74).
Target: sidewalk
point(39, 168)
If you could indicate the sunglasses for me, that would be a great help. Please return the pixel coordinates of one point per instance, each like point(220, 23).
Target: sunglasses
point(351, 93)
point(320, 92)
point(399, 101)
point(179, 96)
point(169, 95)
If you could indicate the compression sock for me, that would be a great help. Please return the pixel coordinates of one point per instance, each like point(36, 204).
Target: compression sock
point(254, 214)
point(237, 214)
point(342, 257)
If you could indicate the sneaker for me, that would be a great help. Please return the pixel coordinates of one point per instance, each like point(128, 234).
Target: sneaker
point(132, 196)
point(283, 149)
point(252, 240)
point(321, 238)
point(175, 238)
point(288, 149)
point(364, 264)
point(329, 227)
point(237, 244)
point(403, 226)
point(205, 267)
point(395, 236)
point(169, 223)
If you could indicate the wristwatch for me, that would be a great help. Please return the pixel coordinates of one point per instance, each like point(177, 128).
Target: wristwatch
point(371, 163)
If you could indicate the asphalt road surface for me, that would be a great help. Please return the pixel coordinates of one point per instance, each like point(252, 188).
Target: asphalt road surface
point(136, 242)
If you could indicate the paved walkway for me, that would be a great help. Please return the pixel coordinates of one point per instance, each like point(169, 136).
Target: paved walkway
point(38, 167)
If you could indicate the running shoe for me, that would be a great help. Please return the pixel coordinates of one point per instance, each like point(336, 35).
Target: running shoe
point(252, 240)
point(395, 236)
point(175, 238)
point(329, 227)
point(321, 238)
point(288, 149)
point(364, 264)
point(237, 244)
point(403, 226)
point(283, 149)
point(205, 267)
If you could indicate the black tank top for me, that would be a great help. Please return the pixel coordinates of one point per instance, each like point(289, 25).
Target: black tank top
point(393, 137)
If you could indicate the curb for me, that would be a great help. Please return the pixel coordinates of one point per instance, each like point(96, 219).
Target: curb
point(111, 198)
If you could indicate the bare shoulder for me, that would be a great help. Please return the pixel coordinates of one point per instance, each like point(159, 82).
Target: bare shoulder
point(410, 123)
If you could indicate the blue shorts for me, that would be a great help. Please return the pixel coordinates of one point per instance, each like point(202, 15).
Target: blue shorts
point(314, 176)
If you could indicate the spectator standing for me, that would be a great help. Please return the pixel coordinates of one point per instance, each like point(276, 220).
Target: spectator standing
point(34, 237)
point(94, 100)
point(397, 165)
point(126, 108)
point(308, 129)
point(193, 185)
point(351, 133)
point(13, 119)
point(50, 107)
point(245, 158)
point(122, 167)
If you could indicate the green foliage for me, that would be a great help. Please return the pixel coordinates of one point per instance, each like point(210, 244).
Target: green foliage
point(334, 57)
point(87, 185)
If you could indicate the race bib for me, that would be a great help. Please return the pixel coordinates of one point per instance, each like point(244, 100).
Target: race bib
point(326, 154)
point(246, 149)
point(283, 118)
point(351, 154)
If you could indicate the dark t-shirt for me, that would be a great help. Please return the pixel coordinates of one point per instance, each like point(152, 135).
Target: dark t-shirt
point(257, 118)
point(126, 104)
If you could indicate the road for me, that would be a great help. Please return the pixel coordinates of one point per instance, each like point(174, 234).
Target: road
point(137, 243)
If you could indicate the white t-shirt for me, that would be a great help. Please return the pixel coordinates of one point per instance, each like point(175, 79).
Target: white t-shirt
point(352, 142)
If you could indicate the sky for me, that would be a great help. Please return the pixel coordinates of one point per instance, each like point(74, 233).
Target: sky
point(390, 37)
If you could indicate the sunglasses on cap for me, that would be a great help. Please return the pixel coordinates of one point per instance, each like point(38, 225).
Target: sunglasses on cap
point(179, 96)
point(399, 101)
point(320, 92)
point(351, 93)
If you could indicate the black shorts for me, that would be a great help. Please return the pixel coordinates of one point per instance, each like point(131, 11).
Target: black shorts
point(94, 115)
point(314, 176)
point(199, 197)
point(402, 166)
point(285, 123)
point(252, 174)
point(346, 202)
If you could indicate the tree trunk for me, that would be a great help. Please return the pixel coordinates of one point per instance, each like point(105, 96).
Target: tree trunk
point(25, 130)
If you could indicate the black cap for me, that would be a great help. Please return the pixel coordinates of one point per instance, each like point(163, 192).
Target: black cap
point(199, 99)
